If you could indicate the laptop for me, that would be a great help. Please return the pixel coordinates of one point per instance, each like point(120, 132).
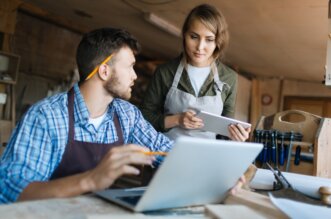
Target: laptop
point(195, 172)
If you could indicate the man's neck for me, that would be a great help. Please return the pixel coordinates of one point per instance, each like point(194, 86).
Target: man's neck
point(96, 99)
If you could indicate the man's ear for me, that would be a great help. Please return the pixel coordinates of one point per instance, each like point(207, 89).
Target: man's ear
point(104, 72)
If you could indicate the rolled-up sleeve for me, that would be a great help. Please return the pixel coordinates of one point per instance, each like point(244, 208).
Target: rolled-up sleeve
point(27, 157)
point(144, 133)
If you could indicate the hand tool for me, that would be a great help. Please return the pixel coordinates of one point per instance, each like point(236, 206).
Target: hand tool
point(284, 189)
point(281, 149)
point(273, 147)
point(265, 148)
point(289, 154)
point(297, 155)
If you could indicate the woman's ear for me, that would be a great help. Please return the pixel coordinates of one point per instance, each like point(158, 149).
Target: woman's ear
point(104, 72)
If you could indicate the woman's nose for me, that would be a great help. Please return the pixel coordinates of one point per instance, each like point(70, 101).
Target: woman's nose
point(201, 44)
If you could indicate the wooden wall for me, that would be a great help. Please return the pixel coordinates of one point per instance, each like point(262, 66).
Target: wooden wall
point(278, 89)
point(242, 109)
point(47, 58)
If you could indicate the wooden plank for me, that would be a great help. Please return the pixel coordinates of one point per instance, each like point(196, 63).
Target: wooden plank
point(8, 11)
point(281, 95)
point(231, 212)
point(257, 202)
point(255, 103)
point(322, 152)
point(39, 12)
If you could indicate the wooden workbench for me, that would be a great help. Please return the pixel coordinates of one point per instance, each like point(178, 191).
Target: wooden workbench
point(89, 206)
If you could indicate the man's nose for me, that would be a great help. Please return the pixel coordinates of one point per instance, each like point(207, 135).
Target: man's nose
point(134, 75)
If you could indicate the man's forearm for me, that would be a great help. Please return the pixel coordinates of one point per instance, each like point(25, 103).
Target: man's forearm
point(59, 188)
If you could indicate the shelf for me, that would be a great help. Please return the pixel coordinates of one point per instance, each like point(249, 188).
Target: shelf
point(9, 66)
point(7, 82)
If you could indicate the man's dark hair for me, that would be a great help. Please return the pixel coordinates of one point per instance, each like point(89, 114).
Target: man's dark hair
point(97, 45)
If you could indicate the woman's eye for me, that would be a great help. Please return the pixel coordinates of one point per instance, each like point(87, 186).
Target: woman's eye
point(193, 37)
point(210, 40)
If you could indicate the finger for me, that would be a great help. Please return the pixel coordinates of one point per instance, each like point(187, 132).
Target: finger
point(124, 170)
point(233, 134)
point(243, 179)
point(196, 119)
point(194, 125)
point(244, 131)
point(191, 112)
point(133, 158)
point(240, 129)
point(248, 129)
point(198, 125)
point(127, 149)
point(120, 156)
point(236, 133)
point(236, 188)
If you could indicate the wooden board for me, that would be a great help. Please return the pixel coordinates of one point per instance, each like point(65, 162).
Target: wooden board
point(257, 202)
point(322, 161)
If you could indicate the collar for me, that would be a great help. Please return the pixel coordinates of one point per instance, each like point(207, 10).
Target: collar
point(81, 112)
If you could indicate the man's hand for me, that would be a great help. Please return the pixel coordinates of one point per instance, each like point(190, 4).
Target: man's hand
point(239, 133)
point(117, 162)
point(238, 185)
point(188, 120)
point(245, 179)
point(114, 164)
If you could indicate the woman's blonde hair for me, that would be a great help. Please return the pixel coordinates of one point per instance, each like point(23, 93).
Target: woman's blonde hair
point(214, 20)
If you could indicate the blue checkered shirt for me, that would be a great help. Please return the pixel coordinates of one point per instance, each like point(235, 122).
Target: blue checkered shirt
point(38, 142)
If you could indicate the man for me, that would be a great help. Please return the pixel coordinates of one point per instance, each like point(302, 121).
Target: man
point(83, 140)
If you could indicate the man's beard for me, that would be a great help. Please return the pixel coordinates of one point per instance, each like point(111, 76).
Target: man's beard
point(112, 87)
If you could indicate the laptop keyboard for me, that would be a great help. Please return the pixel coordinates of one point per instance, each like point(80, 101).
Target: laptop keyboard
point(133, 200)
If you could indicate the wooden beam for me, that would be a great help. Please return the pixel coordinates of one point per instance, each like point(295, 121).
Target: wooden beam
point(6, 45)
point(281, 96)
point(8, 11)
point(52, 18)
point(255, 112)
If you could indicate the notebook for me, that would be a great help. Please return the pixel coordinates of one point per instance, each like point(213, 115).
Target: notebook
point(195, 172)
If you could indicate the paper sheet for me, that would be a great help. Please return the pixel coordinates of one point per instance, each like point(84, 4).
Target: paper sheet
point(308, 185)
point(300, 210)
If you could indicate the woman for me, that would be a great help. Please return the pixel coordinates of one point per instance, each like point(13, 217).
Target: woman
point(196, 79)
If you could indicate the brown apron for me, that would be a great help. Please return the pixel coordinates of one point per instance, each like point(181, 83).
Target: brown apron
point(81, 156)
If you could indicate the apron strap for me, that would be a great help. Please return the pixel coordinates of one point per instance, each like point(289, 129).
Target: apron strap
point(71, 99)
point(178, 73)
point(219, 85)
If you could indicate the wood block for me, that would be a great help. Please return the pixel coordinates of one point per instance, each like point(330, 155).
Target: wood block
point(231, 212)
point(257, 202)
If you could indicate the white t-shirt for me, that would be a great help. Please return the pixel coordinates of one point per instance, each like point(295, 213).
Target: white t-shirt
point(96, 122)
point(197, 76)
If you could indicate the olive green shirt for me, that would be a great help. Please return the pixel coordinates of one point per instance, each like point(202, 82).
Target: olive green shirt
point(153, 103)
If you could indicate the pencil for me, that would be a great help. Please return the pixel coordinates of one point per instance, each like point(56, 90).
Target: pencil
point(161, 153)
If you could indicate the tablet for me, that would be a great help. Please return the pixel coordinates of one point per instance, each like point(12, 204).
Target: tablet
point(218, 124)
